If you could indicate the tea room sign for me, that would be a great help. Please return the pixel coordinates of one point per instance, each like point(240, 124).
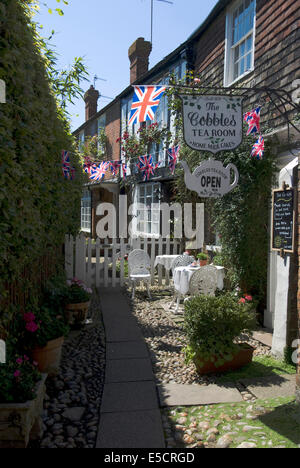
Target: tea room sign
point(212, 123)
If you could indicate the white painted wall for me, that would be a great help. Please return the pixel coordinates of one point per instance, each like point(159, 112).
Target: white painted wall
point(279, 269)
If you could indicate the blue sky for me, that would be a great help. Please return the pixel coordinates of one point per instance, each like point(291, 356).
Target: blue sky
point(101, 31)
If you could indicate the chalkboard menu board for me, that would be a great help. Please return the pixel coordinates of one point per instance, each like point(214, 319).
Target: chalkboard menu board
point(283, 217)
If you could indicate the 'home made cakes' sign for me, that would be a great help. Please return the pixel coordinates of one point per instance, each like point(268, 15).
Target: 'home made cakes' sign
point(212, 123)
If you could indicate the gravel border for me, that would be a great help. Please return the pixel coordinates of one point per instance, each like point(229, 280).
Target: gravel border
point(72, 404)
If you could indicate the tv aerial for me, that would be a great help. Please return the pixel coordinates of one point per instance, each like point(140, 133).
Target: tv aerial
point(96, 78)
point(164, 1)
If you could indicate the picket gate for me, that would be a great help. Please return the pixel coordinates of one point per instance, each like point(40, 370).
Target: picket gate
point(101, 262)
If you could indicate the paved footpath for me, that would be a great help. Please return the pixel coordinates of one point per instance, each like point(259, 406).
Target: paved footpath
point(130, 416)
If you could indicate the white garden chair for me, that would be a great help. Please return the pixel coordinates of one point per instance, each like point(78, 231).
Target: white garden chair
point(204, 281)
point(139, 265)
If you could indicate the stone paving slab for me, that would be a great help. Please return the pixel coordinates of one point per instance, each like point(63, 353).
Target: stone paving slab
point(129, 396)
point(122, 331)
point(271, 387)
point(145, 430)
point(126, 350)
point(183, 394)
point(264, 336)
point(128, 370)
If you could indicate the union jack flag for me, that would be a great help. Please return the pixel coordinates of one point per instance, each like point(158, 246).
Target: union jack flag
point(98, 172)
point(66, 167)
point(145, 102)
point(87, 165)
point(114, 167)
point(147, 166)
point(253, 120)
point(173, 155)
point(124, 169)
point(258, 148)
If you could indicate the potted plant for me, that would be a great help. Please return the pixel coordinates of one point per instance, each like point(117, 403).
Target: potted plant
point(22, 391)
point(77, 302)
point(212, 325)
point(202, 258)
point(41, 333)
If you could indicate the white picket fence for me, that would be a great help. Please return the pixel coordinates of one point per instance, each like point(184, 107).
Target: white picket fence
point(102, 262)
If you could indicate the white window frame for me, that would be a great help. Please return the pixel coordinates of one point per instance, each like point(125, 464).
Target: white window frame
point(229, 50)
point(86, 211)
point(137, 207)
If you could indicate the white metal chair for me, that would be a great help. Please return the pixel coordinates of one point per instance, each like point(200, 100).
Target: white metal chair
point(181, 260)
point(139, 265)
point(204, 281)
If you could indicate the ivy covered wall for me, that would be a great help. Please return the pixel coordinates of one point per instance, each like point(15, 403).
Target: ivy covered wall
point(37, 205)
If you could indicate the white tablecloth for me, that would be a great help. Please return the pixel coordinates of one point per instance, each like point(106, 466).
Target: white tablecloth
point(182, 276)
point(165, 260)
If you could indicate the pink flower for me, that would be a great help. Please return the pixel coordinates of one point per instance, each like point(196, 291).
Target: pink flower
point(29, 317)
point(31, 327)
point(17, 374)
point(35, 363)
point(26, 358)
point(242, 301)
point(248, 297)
point(19, 361)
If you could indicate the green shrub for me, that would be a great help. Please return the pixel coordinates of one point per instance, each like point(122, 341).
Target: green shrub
point(217, 260)
point(212, 323)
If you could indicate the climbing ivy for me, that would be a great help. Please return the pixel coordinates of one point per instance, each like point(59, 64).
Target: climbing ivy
point(37, 205)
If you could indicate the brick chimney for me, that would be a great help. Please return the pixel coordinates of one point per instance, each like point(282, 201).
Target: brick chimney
point(138, 54)
point(90, 99)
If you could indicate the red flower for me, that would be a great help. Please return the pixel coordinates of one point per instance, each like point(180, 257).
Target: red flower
point(29, 317)
point(31, 327)
point(242, 301)
point(248, 297)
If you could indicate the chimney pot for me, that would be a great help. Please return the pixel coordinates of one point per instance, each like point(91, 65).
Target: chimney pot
point(138, 54)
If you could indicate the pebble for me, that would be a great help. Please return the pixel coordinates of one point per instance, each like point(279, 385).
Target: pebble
point(247, 445)
point(224, 441)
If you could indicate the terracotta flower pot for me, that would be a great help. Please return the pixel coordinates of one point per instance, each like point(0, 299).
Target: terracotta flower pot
point(203, 262)
point(242, 358)
point(20, 422)
point(48, 357)
point(76, 314)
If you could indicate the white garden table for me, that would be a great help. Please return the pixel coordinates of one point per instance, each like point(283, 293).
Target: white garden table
point(165, 260)
point(181, 278)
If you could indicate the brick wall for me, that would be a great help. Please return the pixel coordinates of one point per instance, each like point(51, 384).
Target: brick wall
point(277, 52)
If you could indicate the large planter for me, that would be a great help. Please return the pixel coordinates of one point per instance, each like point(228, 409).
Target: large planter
point(242, 358)
point(76, 314)
point(48, 357)
point(21, 422)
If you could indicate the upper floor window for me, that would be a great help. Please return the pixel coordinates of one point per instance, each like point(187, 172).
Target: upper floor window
point(86, 202)
point(240, 29)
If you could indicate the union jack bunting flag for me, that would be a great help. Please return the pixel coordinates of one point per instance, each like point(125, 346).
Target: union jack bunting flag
point(145, 102)
point(124, 169)
point(98, 172)
point(173, 155)
point(66, 167)
point(114, 167)
point(258, 148)
point(87, 165)
point(147, 166)
point(253, 120)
